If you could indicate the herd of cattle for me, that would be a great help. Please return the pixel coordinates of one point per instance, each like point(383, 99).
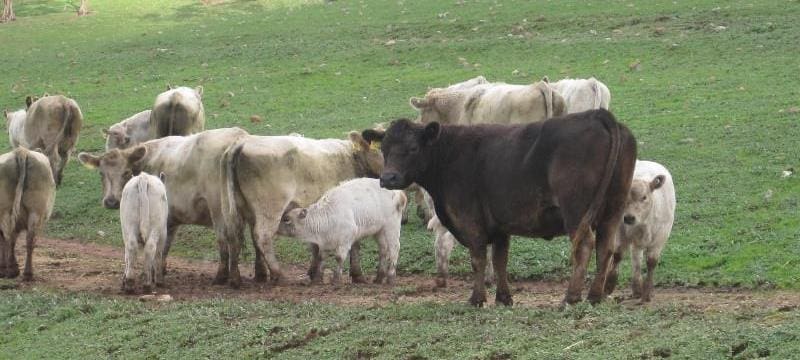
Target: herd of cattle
point(490, 160)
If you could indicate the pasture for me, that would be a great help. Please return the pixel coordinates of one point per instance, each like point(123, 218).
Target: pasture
point(705, 86)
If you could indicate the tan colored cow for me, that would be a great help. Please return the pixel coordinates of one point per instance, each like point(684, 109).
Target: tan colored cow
point(52, 124)
point(191, 164)
point(583, 94)
point(129, 132)
point(177, 111)
point(263, 174)
point(498, 103)
point(27, 193)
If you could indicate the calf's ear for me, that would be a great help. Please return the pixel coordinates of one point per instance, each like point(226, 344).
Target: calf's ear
point(419, 103)
point(199, 90)
point(137, 154)
point(358, 141)
point(162, 177)
point(431, 133)
point(657, 182)
point(89, 160)
point(5, 112)
point(303, 213)
point(372, 135)
point(28, 101)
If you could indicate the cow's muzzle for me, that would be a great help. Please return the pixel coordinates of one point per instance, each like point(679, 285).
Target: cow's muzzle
point(629, 219)
point(392, 181)
point(110, 203)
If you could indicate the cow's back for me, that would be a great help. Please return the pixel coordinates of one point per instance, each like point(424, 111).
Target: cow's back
point(177, 112)
point(583, 94)
point(53, 119)
point(39, 188)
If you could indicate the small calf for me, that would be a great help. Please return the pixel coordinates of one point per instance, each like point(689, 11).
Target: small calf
point(443, 246)
point(646, 225)
point(16, 127)
point(346, 214)
point(129, 132)
point(143, 214)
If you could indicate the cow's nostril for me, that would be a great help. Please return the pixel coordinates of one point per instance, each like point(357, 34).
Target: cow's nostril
point(111, 203)
point(628, 219)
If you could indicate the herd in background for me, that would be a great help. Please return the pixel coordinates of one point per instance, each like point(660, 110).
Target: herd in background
point(229, 180)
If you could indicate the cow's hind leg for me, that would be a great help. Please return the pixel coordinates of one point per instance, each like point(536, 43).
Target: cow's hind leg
point(582, 246)
point(150, 262)
point(500, 245)
point(265, 229)
point(647, 288)
point(12, 267)
point(171, 231)
point(443, 246)
point(224, 242)
point(606, 248)
point(34, 225)
point(316, 269)
point(131, 246)
point(3, 255)
point(259, 266)
point(478, 255)
point(356, 275)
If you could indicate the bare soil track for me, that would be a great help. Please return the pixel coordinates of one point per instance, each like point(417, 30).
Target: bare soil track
point(73, 266)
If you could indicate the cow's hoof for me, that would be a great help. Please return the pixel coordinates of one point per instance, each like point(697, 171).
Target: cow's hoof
point(570, 300)
point(161, 284)
point(279, 279)
point(390, 280)
point(220, 280)
point(147, 289)
point(127, 287)
point(13, 273)
point(595, 299)
point(260, 277)
point(27, 277)
point(504, 299)
point(477, 301)
point(441, 282)
point(378, 279)
point(316, 280)
point(358, 279)
point(235, 282)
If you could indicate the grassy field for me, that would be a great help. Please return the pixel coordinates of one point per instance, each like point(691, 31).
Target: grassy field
point(712, 99)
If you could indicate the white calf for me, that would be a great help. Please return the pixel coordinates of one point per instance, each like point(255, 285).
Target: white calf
point(647, 223)
point(16, 127)
point(443, 246)
point(346, 214)
point(143, 213)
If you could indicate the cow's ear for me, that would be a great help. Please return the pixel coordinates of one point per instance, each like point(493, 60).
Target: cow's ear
point(106, 133)
point(199, 90)
point(28, 101)
point(358, 141)
point(431, 133)
point(546, 79)
point(5, 112)
point(372, 135)
point(303, 213)
point(162, 177)
point(89, 160)
point(292, 205)
point(169, 87)
point(419, 103)
point(657, 182)
point(137, 154)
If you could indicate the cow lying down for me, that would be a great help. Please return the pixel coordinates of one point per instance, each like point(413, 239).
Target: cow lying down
point(346, 214)
point(143, 213)
point(646, 226)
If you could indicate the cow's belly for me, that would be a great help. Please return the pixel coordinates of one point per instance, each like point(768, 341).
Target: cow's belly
point(546, 223)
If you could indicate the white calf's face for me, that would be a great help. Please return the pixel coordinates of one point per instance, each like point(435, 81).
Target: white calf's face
point(293, 222)
point(640, 199)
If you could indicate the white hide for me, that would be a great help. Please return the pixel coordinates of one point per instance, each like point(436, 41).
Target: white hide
point(16, 128)
point(129, 132)
point(583, 94)
point(346, 214)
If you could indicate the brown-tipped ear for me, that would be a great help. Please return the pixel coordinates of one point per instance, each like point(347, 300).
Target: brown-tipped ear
point(5, 112)
point(199, 90)
point(546, 79)
point(137, 154)
point(657, 182)
point(358, 141)
point(169, 87)
point(431, 132)
point(372, 135)
point(106, 133)
point(292, 205)
point(28, 101)
point(419, 103)
point(89, 160)
point(303, 213)
point(162, 177)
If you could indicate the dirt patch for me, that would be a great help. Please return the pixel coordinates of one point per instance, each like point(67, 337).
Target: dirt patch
point(86, 267)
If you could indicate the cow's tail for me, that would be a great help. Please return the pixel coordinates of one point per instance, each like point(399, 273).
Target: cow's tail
point(589, 217)
point(547, 94)
point(230, 182)
point(178, 116)
point(597, 99)
point(143, 188)
point(22, 176)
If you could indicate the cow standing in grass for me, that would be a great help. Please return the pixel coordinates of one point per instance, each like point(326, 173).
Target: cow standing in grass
point(646, 225)
point(177, 111)
point(129, 132)
point(27, 193)
point(345, 215)
point(52, 124)
point(568, 175)
point(583, 94)
point(143, 214)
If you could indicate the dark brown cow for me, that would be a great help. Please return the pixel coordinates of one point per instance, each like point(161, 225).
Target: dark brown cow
point(568, 175)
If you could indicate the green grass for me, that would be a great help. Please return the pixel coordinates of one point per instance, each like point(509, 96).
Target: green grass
point(79, 326)
point(708, 104)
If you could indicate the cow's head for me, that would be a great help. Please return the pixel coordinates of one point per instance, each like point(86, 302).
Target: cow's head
point(293, 220)
point(405, 147)
point(428, 111)
point(116, 167)
point(367, 156)
point(640, 199)
point(29, 100)
point(116, 138)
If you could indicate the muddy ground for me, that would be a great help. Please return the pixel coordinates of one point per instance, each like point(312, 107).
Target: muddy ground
point(73, 266)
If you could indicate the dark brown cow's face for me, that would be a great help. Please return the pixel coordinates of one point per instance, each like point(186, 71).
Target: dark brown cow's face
point(405, 146)
point(116, 168)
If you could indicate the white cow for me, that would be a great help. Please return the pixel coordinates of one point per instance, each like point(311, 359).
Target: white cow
point(129, 132)
point(143, 213)
point(583, 94)
point(16, 127)
point(443, 246)
point(646, 225)
point(177, 111)
point(346, 214)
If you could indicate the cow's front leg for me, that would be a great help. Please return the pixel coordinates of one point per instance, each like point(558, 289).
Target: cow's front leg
point(315, 270)
point(172, 230)
point(223, 247)
point(356, 274)
point(3, 256)
point(500, 247)
point(259, 266)
point(478, 255)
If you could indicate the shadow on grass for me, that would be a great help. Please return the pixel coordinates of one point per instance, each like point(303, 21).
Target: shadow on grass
point(30, 8)
point(200, 8)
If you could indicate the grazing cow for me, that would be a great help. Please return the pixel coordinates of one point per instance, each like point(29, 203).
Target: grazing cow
point(129, 132)
point(583, 94)
point(646, 225)
point(143, 213)
point(191, 164)
point(443, 246)
point(478, 80)
point(27, 193)
point(263, 174)
point(16, 127)
point(52, 124)
point(568, 175)
point(497, 103)
point(345, 215)
point(177, 111)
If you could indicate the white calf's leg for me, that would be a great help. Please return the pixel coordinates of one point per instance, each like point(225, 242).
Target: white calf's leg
point(150, 262)
point(636, 265)
point(443, 246)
